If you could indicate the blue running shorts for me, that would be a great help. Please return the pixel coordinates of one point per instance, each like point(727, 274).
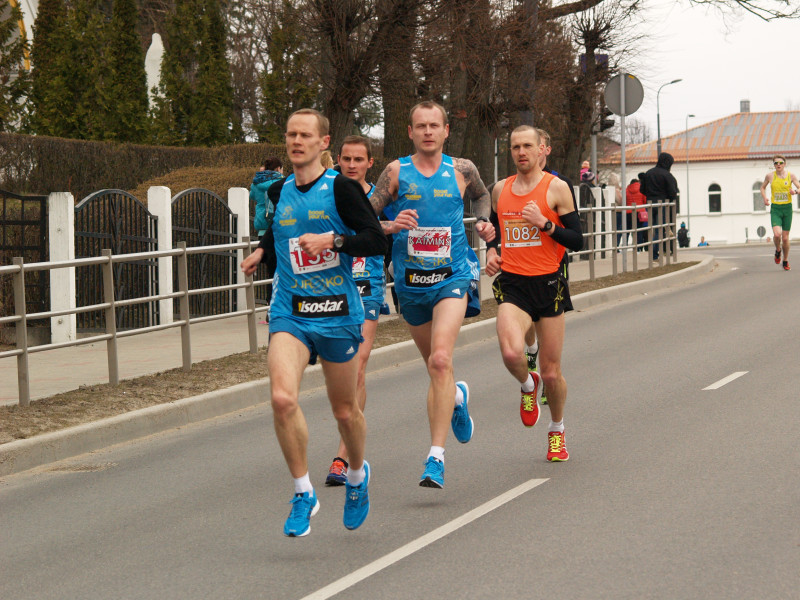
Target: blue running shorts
point(336, 345)
point(417, 307)
point(372, 310)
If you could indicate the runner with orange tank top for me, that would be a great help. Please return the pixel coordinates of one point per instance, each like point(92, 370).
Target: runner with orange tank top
point(538, 221)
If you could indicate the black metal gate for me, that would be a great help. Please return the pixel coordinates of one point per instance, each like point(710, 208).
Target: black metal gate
point(201, 218)
point(115, 220)
point(23, 232)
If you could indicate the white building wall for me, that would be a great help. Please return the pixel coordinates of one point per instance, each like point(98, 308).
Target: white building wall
point(738, 221)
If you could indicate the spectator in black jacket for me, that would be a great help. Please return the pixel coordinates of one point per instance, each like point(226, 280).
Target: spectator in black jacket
point(659, 185)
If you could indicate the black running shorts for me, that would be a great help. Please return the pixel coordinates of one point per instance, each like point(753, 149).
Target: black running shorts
point(538, 295)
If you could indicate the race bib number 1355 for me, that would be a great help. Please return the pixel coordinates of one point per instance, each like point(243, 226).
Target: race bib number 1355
point(303, 263)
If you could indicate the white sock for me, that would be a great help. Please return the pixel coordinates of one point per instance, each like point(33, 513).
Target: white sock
point(559, 427)
point(355, 478)
point(533, 349)
point(459, 396)
point(303, 485)
point(437, 452)
point(529, 385)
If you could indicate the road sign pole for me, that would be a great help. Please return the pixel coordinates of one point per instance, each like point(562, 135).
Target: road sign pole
point(623, 220)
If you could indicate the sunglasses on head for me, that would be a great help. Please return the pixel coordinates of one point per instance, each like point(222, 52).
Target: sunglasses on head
point(778, 162)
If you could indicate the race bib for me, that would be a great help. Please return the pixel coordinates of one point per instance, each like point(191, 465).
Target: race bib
point(303, 263)
point(359, 264)
point(429, 242)
point(781, 198)
point(520, 234)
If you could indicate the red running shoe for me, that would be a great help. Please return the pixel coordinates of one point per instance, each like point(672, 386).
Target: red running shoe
point(557, 451)
point(777, 257)
point(786, 266)
point(337, 474)
point(529, 405)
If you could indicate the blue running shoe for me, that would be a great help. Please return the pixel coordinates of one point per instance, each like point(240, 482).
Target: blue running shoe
point(462, 424)
point(304, 506)
point(356, 501)
point(433, 477)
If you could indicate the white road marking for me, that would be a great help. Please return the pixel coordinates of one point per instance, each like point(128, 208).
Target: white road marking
point(725, 380)
point(420, 543)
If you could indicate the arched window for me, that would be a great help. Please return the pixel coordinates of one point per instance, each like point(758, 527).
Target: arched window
point(714, 198)
point(758, 201)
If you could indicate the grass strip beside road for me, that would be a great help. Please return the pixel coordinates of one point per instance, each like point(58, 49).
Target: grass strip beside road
point(95, 402)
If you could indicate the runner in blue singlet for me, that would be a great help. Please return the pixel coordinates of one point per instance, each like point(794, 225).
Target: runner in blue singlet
point(355, 159)
point(435, 271)
point(322, 219)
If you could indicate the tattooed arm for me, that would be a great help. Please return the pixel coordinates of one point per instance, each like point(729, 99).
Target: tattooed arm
point(384, 194)
point(478, 195)
point(386, 188)
point(474, 190)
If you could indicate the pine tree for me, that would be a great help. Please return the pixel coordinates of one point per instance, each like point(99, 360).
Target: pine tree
point(194, 104)
point(14, 77)
point(49, 96)
point(126, 87)
point(212, 103)
point(87, 53)
point(290, 82)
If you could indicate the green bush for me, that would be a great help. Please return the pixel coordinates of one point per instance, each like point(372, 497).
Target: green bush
point(41, 165)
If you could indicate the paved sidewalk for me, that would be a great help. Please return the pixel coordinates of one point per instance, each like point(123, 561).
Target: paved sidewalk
point(55, 371)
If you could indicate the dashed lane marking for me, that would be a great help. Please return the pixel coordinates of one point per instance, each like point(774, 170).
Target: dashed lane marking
point(725, 380)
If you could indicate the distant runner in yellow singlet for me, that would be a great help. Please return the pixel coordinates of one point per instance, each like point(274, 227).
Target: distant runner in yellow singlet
point(780, 182)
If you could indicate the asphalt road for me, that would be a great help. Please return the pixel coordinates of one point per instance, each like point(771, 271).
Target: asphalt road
point(673, 490)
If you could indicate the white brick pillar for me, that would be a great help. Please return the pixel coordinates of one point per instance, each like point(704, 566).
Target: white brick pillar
point(159, 203)
point(239, 203)
point(61, 235)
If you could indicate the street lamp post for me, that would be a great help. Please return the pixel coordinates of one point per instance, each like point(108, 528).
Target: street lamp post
point(688, 212)
point(658, 115)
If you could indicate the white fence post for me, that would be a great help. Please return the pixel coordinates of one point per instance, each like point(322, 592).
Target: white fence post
point(239, 203)
point(61, 234)
point(159, 203)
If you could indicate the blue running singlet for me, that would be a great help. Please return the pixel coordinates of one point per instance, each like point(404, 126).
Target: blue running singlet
point(318, 292)
point(437, 250)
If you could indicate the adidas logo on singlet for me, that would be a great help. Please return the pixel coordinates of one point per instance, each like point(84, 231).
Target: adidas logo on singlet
point(324, 186)
point(445, 174)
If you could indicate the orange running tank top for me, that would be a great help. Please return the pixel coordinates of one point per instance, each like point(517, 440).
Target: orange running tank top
point(525, 249)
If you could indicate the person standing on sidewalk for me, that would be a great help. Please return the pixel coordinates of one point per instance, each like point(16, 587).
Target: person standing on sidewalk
point(436, 272)
point(536, 215)
point(659, 185)
point(780, 182)
point(322, 219)
point(354, 160)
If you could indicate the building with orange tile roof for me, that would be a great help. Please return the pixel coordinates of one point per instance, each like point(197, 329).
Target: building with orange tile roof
point(719, 167)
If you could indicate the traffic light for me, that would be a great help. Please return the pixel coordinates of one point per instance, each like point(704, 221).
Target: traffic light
point(606, 122)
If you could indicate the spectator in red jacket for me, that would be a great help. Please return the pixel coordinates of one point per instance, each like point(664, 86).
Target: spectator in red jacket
point(634, 196)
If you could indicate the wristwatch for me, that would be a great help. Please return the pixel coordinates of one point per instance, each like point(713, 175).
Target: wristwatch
point(338, 241)
point(547, 226)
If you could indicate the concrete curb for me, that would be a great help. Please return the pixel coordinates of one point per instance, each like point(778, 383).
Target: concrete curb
point(22, 455)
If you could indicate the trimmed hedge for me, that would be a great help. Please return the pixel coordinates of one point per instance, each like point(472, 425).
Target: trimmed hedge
point(40, 164)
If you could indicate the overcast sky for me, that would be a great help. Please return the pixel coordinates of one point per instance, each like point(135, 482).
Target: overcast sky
point(721, 62)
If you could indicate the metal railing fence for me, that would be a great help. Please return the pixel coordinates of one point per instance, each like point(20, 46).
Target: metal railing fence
point(596, 246)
